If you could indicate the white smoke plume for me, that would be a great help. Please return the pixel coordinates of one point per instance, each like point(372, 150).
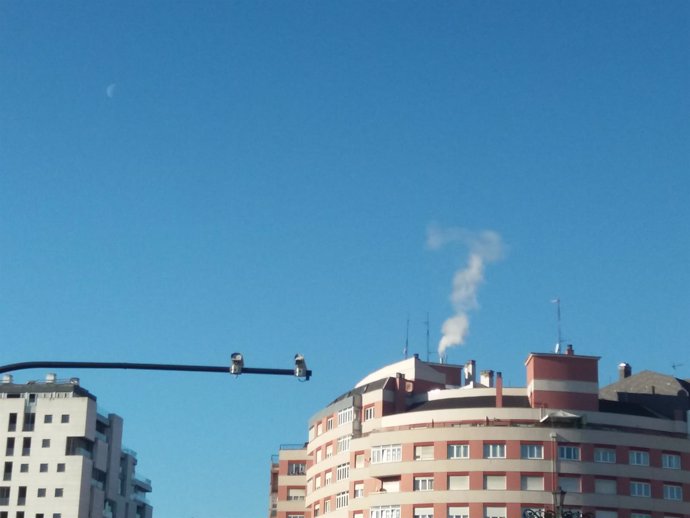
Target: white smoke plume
point(484, 247)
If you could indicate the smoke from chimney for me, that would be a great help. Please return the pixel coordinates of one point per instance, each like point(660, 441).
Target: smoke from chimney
point(484, 247)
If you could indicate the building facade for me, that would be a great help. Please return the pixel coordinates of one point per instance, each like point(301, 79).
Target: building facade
point(288, 482)
point(424, 440)
point(61, 458)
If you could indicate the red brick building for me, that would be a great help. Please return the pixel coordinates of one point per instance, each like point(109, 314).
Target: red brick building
point(423, 440)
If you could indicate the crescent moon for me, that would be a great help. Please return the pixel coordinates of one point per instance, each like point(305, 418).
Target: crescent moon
point(110, 90)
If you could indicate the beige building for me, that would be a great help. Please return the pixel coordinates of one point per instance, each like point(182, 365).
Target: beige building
point(61, 458)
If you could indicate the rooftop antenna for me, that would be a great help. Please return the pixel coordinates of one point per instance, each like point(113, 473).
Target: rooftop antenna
point(557, 301)
point(428, 352)
point(674, 366)
point(407, 337)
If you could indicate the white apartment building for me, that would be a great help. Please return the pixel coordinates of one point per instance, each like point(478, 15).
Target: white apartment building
point(61, 458)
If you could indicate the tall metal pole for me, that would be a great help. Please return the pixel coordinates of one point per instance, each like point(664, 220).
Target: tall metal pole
point(145, 366)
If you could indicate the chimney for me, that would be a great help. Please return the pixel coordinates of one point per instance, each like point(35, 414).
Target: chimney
point(569, 351)
point(486, 378)
point(400, 394)
point(469, 372)
point(51, 377)
point(499, 390)
point(7, 379)
point(624, 371)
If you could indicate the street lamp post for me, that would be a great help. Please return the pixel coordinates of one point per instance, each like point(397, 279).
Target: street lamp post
point(558, 510)
point(236, 367)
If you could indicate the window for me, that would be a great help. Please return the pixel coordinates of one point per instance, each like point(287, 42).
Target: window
point(639, 458)
point(570, 484)
point(329, 454)
point(458, 482)
point(4, 495)
point(48, 418)
point(26, 446)
point(64, 418)
point(295, 493)
point(494, 451)
point(12, 423)
point(670, 461)
point(7, 472)
point(424, 483)
point(369, 413)
point(386, 511)
point(495, 512)
point(343, 443)
point(58, 492)
point(494, 481)
point(345, 416)
point(45, 443)
point(41, 492)
point(328, 477)
point(359, 460)
point(9, 449)
point(29, 422)
point(458, 451)
point(43, 468)
point(458, 512)
point(319, 454)
point(23, 468)
point(605, 486)
point(319, 429)
point(317, 482)
point(329, 423)
point(600, 513)
point(359, 490)
point(642, 489)
point(424, 452)
point(61, 467)
point(341, 500)
point(387, 453)
point(317, 509)
point(532, 483)
point(532, 451)
point(327, 506)
point(342, 471)
point(57, 515)
point(296, 468)
point(569, 452)
point(424, 512)
point(640, 515)
point(607, 455)
point(673, 492)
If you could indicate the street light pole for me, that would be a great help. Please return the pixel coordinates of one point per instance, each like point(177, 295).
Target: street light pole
point(300, 370)
point(558, 510)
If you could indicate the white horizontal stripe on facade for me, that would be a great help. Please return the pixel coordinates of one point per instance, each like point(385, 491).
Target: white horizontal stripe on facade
point(580, 387)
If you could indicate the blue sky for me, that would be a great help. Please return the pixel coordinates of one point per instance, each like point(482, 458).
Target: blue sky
point(182, 180)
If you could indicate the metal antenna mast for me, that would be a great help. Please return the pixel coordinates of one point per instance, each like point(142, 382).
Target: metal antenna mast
point(557, 301)
point(428, 352)
point(407, 336)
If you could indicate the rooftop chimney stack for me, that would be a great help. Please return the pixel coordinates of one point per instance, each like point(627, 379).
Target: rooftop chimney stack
point(7, 379)
point(624, 371)
point(499, 390)
point(569, 350)
point(487, 378)
point(469, 372)
point(51, 377)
